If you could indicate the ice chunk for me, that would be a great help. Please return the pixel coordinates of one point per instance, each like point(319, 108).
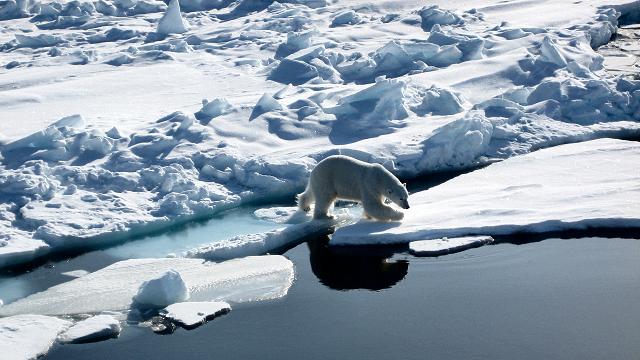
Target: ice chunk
point(293, 72)
point(433, 15)
point(585, 185)
point(25, 337)
point(13, 9)
point(263, 243)
point(112, 288)
point(172, 22)
point(213, 108)
point(164, 290)
point(265, 104)
point(295, 41)
point(38, 41)
point(438, 101)
point(550, 52)
point(193, 314)
point(95, 328)
point(457, 144)
point(447, 55)
point(436, 247)
point(348, 17)
point(120, 59)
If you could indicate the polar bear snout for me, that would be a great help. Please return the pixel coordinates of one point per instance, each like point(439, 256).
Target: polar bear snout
point(405, 204)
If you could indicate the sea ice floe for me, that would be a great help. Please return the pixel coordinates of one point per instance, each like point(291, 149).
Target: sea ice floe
point(192, 314)
point(113, 288)
point(95, 328)
point(27, 337)
point(578, 186)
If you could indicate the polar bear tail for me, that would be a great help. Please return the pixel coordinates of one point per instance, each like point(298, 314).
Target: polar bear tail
point(305, 199)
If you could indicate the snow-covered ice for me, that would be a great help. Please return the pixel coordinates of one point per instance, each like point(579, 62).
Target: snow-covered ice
point(166, 289)
point(592, 184)
point(112, 288)
point(172, 22)
point(113, 139)
point(95, 328)
point(26, 337)
point(193, 314)
point(435, 247)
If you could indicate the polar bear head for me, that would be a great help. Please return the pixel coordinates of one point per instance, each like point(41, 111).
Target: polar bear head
point(391, 188)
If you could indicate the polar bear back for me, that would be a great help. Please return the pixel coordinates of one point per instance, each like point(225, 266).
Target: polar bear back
point(346, 177)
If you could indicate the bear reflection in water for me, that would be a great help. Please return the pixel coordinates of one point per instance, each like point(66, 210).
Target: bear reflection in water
point(344, 269)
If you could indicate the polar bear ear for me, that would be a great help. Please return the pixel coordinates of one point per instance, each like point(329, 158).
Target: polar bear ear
point(405, 185)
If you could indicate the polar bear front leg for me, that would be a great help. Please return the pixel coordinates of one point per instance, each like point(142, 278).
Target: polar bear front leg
point(323, 203)
point(377, 210)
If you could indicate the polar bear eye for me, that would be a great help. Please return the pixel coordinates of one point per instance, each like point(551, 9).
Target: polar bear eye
point(389, 191)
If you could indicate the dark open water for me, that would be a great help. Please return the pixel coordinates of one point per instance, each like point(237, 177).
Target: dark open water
point(554, 299)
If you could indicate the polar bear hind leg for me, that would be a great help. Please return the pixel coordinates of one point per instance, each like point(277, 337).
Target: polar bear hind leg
point(377, 210)
point(323, 203)
point(305, 199)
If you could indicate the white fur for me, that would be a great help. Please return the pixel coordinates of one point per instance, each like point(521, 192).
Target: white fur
point(343, 177)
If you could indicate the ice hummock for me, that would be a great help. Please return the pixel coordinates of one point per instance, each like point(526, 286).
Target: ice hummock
point(95, 328)
point(172, 22)
point(578, 186)
point(166, 289)
point(112, 288)
point(26, 337)
point(192, 314)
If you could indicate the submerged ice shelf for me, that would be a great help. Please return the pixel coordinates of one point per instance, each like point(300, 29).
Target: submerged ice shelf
point(593, 184)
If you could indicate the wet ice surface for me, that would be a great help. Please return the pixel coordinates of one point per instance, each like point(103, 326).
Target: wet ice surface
point(95, 328)
point(445, 245)
point(575, 297)
point(192, 314)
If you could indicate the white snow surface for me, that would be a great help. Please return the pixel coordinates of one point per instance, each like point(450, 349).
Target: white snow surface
point(191, 314)
point(94, 328)
point(112, 288)
point(105, 134)
point(26, 337)
point(166, 289)
point(435, 247)
point(592, 184)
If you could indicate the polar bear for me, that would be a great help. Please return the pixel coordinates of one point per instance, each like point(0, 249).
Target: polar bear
point(347, 178)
